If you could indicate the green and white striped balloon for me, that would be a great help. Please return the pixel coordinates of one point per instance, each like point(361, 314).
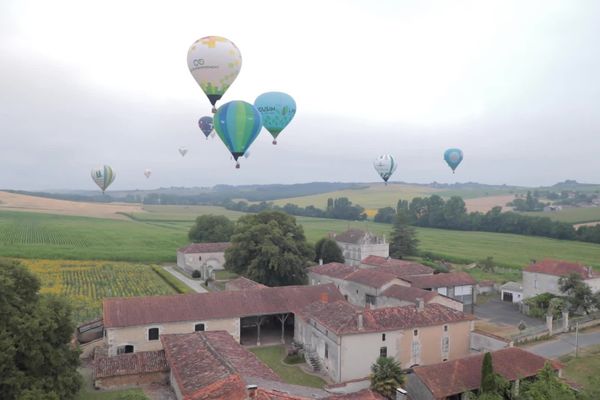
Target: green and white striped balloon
point(103, 176)
point(385, 165)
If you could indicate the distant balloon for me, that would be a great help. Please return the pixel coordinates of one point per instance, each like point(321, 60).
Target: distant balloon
point(237, 123)
point(247, 154)
point(147, 172)
point(103, 176)
point(385, 165)
point(206, 125)
point(453, 158)
point(183, 151)
point(214, 62)
point(277, 110)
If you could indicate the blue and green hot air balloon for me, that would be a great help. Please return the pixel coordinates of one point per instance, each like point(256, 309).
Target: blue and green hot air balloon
point(453, 158)
point(277, 110)
point(237, 123)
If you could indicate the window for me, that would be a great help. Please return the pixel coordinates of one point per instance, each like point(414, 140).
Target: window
point(369, 299)
point(416, 332)
point(326, 350)
point(383, 351)
point(445, 345)
point(198, 327)
point(383, 337)
point(153, 334)
point(443, 291)
point(416, 351)
point(346, 297)
point(125, 349)
point(445, 328)
point(465, 290)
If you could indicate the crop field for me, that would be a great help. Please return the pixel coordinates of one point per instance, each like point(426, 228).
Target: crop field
point(86, 283)
point(180, 213)
point(573, 215)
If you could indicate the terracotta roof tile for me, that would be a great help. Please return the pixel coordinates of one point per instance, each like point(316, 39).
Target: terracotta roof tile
point(134, 311)
point(457, 376)
point(365, 394)
point(398, 267)
point(371, 278)
point(333, 269)
point(560, 268)
point(448, 279)
point(231, 388)
point(243, 283)
point(342, 317)
point(409, 293)
point(192, 248)
point(130, 364)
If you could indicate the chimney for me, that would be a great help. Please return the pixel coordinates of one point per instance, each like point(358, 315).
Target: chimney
point(360, 321)
point(401, 394)
point(251, 390)
point(320, 261)
point(420, 304)
point(324, 298)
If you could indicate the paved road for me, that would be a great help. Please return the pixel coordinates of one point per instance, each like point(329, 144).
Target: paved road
point(502, 312)
point(195, 285)
point(564, 344)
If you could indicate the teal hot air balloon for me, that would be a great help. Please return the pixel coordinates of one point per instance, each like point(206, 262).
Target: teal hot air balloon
point(237, 123)
point(453, 158)
point(277, 110)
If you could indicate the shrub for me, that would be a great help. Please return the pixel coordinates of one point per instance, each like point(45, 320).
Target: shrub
point(196, 274)
point(293, 359)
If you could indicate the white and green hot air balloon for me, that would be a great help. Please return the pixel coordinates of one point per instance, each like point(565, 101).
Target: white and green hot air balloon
point(385, 165)
point(103, 176)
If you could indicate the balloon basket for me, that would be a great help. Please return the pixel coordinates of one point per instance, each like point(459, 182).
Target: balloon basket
point(214, 110)
point(274, 141)
point(237, 165)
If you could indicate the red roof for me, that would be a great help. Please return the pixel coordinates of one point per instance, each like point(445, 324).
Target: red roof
point(130, 364)
point(243, 283)
point(333, 269)
point(409, 293)
point(371, 278)
point(193, 248)
point(464, 374)
point(398, 267)
point(365, 394)
point(342, 318)
point(200, 359)
point(145, 310)
point(560, 268)
point(448, 279)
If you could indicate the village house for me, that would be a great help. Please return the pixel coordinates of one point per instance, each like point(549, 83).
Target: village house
point(400, 295)
point(451, 380)
point(202, 257)
point(543, 276)
point(511, 292)
point(136, 324)
point(459, 286)
point(357, 244)
point(346, 339)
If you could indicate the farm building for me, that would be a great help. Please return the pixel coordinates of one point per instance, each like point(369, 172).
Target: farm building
point(543, 276)
point(512, 292)
point(456, 285)
point(357, 244)
point(202, 257)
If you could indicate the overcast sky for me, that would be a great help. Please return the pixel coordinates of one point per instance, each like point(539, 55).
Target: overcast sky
point(515, 84)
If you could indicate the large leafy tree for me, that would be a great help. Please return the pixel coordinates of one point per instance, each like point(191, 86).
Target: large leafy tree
point(546, 386)
point(580, 296)
point(211, 228)
point(327, 250)
point(36, 360)
point(403, 240)
point(386, 376)
point(269, 248)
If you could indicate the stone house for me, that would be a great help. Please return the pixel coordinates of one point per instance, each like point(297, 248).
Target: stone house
point(357, 244)
point(453, 379)
point(347, 339)
point(543, 276)
point(203, 257)
point(456, 285)
point(511, 292)
point(397, 295)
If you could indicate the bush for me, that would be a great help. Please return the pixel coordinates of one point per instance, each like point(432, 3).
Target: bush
point(293, 359)
point(196, 274)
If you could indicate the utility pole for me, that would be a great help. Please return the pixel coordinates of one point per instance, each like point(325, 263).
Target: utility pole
point(576, 338)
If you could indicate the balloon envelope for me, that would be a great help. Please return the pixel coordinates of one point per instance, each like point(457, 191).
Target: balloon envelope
point(385, 165)
point(206, 125)
point(103, 176)
point(453, 157)
point(237, 123)
point(277, 110)
point(147, 172)
point(214, 62)
point(183, 151)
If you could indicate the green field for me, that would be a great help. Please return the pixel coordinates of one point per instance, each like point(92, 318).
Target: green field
point(571, 215)
point(272, 356)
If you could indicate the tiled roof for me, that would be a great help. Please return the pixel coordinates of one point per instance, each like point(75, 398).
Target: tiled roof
point(333, 269)
point(342, 317)
point(204, 248)
point(243, 283)
point(356, 236)
point(371, 278)
point(144, 310)
point(441, 280)
point(409, 293)
point(130, 364)
point(232, 387)
point(398, 267)
point(365, 394)
point(512, 286)
point(560, 268)
point(201, 359)
point(464, 374)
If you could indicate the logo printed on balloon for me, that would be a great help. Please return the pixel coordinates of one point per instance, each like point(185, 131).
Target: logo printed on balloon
point(277, 110)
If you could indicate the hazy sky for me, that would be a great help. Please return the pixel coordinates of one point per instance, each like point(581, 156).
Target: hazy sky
point(515, 84)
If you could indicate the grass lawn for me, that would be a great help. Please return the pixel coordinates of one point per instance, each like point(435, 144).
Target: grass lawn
point(224, 275)
point(571, 215)
point(584, 369)
point(111, 395)
point(272, 356)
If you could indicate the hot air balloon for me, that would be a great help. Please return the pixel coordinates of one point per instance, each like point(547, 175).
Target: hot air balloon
point(277, 110)
point(453, 158)
point(385, 165)
point(103, 176)
point(183, 151)
point(237, 123)
point(206, 125)
point(214, 62)
point(147, 172)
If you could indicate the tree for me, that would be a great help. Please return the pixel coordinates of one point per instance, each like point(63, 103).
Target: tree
point(546, 386)
point(386, 376)
point(211, 228)
point(580, 296)
point(487, 265)
point(269, 248)
point(403, 240)
point(385, 215)
point(36, 361)
point(492, 384)
point(328, 251)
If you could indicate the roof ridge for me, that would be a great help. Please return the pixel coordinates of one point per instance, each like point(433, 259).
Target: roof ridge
point(216, 354)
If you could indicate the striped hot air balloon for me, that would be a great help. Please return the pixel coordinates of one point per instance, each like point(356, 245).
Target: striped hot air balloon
point(237, 123)
point(103, 176)
point(385, 165)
